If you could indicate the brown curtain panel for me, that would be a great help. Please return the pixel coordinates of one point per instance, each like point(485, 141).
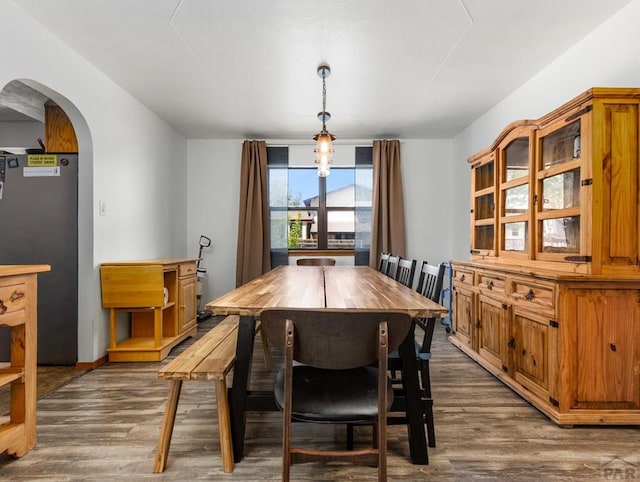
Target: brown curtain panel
point(254, 243)
point(387, 217)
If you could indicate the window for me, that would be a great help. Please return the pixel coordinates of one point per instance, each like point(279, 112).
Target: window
point(329, 213)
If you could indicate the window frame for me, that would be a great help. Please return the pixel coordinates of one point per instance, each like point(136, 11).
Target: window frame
point(278, 158)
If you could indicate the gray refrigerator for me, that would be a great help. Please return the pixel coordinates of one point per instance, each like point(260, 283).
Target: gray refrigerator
point(39, 225)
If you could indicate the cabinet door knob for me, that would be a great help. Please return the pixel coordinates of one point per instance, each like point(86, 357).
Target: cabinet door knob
point(530, 295)
point(16, 296)
point(613, 346)
point(3, 308)
point(512, 342)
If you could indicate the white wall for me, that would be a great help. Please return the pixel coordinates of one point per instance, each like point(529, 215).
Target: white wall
point(21, 134)
point(608, 57)
point(213, 184)
point(214, 187)
point(428, 183)
point(128, 157)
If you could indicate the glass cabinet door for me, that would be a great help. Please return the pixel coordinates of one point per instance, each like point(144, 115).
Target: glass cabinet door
point(483, 208)
point(515, 199)
point(558, 192)
point(516, 159)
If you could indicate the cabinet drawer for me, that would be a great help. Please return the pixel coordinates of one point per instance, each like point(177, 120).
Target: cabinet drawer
point(531, 294)
point(463, 276)
point(187, 269)
point(491, 282)
point(13, 297)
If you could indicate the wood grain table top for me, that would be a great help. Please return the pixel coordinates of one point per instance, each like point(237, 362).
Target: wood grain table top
point(349, 287)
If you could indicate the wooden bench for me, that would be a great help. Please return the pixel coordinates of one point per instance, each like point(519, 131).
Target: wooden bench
point(209, 358)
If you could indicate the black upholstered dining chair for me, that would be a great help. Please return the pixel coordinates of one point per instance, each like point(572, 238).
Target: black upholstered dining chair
point(342, 378)
point(429, 285)
point(383, 262)
point(430, 281)
point(405, 272)
point(392, 266)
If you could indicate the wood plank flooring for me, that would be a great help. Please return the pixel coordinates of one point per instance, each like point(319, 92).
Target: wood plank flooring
point(105, 426)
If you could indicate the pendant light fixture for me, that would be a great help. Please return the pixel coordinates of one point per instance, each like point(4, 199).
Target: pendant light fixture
point(324, 146)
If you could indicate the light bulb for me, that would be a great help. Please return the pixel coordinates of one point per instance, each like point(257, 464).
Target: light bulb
point(323, 169)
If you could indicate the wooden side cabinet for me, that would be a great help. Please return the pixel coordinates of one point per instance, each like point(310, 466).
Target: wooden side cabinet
point(567, 343)
point(18, 312)
point(159, 297)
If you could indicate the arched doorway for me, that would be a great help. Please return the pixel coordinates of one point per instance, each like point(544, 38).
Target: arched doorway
point(42, 206)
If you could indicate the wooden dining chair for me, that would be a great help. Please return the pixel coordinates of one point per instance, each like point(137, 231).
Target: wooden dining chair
point(384, 261)
point(342, 378)
point(430, 280)
point(405, 272)
point(316, 262)
point(392, 266)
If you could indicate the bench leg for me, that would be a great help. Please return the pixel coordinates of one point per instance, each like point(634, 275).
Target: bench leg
point(166, 432)
point(224, 426)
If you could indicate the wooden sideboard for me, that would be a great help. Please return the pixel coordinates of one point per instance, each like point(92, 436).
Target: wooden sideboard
point(18, 311)
point(568, 343)
point(160, 296)
point(550, 301)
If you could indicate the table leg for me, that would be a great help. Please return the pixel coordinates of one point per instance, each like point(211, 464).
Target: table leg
point(415, 421)
point(238, 391)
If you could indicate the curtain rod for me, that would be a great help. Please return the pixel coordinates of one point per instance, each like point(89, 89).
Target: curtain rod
point(304, 142)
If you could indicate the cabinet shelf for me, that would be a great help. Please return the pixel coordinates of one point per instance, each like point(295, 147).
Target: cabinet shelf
point(514, 218)
point(559, 169)
point(558, 213)
point(146, 308)
point(484, 192)
point(522, 181)
point(484, 222)
point(10, 375)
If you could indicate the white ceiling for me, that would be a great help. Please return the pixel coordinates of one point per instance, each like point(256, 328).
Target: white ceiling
point(247, 68)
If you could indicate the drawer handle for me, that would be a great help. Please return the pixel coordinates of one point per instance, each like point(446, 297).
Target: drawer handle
point(462, 278)
point(490, 284)
point(3, 308)
point(613, 347)
point(530, 295)
point(16, 296)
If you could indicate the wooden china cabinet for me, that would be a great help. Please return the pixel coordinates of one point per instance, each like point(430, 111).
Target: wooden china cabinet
point(550, 301)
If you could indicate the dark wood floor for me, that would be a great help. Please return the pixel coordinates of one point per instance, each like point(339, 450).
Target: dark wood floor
point(105, 425)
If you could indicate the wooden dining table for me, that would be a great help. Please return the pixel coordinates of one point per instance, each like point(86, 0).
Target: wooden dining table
point(348, 287)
